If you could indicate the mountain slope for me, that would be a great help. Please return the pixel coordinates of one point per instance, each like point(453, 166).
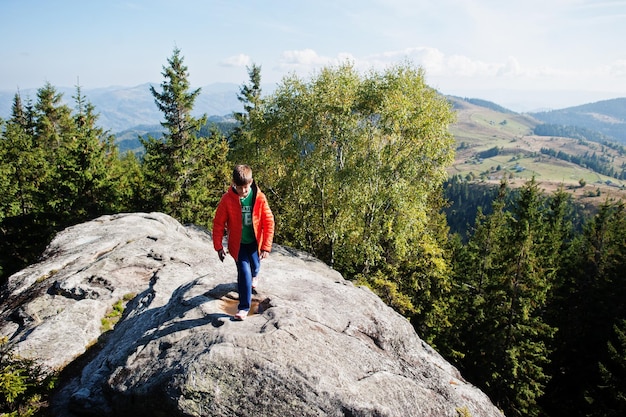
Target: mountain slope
point(607, 117)
point(493, 144)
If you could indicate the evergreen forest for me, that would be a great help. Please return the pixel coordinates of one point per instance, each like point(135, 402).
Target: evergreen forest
point(517, 288)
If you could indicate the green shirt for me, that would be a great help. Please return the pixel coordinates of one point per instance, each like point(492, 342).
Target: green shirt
point(247, 232)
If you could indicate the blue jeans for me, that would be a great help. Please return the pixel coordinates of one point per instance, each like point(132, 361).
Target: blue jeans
point(248, 266)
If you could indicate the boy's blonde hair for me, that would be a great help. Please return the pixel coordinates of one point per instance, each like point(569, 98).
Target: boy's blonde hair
point(242, 175)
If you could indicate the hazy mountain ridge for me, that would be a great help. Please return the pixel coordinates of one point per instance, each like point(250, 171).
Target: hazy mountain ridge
point(607, 117)
point(124, 108)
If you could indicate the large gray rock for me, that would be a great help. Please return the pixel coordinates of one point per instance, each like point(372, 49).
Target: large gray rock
point(315, 344)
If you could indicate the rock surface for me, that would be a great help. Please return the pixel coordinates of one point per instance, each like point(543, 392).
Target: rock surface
point(313, 345)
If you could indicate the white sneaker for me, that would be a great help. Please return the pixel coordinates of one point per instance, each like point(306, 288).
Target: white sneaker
point(255, 282)
point(241, 315)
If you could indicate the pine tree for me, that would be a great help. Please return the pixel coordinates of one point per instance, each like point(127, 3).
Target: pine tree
point(528, 281)
point(53, 118)
point(588, 304)
point(21, 165)
point(504, 278)
point(185, 174)
point(244, 146)
point(59, 169)
point(611, 394)
point(24, 171)
point(86, 159)
point(54, 127)
point(473, 264)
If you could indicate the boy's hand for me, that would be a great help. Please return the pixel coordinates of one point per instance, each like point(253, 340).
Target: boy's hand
point(222, 254)
point(264, 254)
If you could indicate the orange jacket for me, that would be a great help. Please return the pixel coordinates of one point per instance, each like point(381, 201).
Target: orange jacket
point(228, 221)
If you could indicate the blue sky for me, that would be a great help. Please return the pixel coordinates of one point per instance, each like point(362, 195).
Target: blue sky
point(522, 54)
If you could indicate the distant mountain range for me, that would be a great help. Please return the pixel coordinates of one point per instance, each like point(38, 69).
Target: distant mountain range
point(123, 108)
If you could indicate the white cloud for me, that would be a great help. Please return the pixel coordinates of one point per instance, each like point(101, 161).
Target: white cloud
point(303, 58)
point(511, 67)
point(437, 63)
point(240, 60)
point(306, 61)
point(462, 66)
point(434, 62)
point(618, 69)
point(458, 71)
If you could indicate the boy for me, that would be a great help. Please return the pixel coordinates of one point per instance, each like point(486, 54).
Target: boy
point(245, 216)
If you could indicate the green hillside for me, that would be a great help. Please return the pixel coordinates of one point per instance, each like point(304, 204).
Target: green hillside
point(493, 142)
